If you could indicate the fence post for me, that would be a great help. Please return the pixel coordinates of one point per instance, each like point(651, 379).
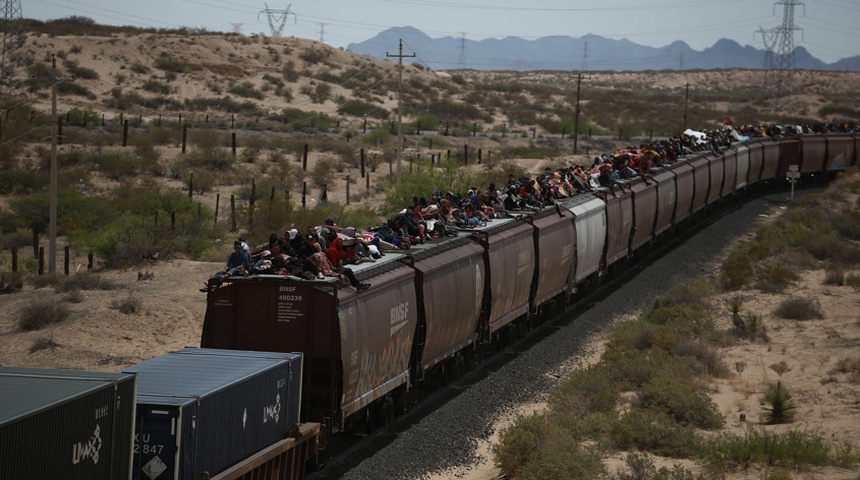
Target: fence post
point(41, 261)
point(217, 204)
point(233, 213)
point(184, 135)
point(304, 194)
point(172, 222)
point(125, 133)
point(14, 259)
point(347, 189)
point(251, 207)
point(66, 260)
point(90, 261)
point(234, 144)
point(190, 185)
point(362, 163)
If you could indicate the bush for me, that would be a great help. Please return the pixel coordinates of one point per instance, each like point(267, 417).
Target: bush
point(680, 401)
point(774, 277)
point(834, 276)
point(853, 281)
point(82, 118)
point(43, 313)
point(779, 405)
point(799, 309)
point(656, 432)
point(127, 305)
point(758, 446)
point(85, 281)
point(43, 343)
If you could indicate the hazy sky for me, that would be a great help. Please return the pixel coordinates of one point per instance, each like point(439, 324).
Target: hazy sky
point(827, 28)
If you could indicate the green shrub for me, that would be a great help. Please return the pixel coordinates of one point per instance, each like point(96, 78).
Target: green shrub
point(43, 343)
point(154, 86)
point(170, 64)
point(85, 281)
point(775, 277)
point(799, 309)
point(682, 402)
point(246, 90)
point(82, 118)
point(655, 432)
point(759, 446)
point(41, 314)
point(737, 272)
point(81, 72)
point(589, 390)
point(779, 406)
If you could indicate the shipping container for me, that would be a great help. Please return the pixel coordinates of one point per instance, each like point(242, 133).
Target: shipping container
point(206, 411)
point(65, 424)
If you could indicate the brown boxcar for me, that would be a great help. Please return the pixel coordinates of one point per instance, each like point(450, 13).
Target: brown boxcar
point(813, 153)
point(716, 175)
point(667, 194)
point(357, 346)
point(451, 279)
point(772, 152)
point(619, 224)
point(742, 176)
point(790, 153)
point(685, 184)
point(510, 260)
point(644, 213)
point(701, 182)
point(756, 156)
point(553, 234)
point(730, 173)
point(840, 152)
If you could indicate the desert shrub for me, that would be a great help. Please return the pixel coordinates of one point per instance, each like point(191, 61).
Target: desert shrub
point(115, 165)
point(357, 108)
point(778, 404)
point(799, 309)
point(853, 281)
point(82, 118)
point(847, 365)
point(246, 90)
point(139, 68)
point(750, 327)
point(43, 343)
point(313, 56)
point(81, 72)
point(72, 88)
point(127, 305)
point(758, 446)
point(42, 313)
point(834, 276)
point(774, 277)
point(154, 86)
point(655, 432)
point(11, 281)
point(16, 181)
point(518, 443)
point(170, 64)
point(589, 390)
point(47, 280)
point(377, 136)
point(737, 271)
point(682, 402)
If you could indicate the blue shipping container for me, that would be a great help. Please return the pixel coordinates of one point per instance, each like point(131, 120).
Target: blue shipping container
point(206, 410)
point(65, 424)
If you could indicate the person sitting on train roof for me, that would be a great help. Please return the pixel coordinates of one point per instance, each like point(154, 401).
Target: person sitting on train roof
point(329, 221)
point(238, 263)
point(332, 263)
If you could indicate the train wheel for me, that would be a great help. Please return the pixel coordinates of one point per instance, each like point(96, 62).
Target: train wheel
point(386, 412)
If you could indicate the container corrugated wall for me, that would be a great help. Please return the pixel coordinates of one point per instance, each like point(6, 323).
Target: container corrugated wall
point(202, 410)
point(65, 424)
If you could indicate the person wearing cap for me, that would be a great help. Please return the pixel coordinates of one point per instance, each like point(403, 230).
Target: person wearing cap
point(329, 220)
point(238, 263)
point(296, 240)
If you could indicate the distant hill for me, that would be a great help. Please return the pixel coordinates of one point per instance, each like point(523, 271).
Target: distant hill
point(589, 52)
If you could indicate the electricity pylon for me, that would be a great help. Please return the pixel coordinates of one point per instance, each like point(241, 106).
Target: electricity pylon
point(277, 18)
point(13, 41)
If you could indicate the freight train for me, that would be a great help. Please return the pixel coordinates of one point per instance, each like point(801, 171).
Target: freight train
point(433, 307)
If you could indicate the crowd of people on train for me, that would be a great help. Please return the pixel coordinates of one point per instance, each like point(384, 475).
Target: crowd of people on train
point(328, 250)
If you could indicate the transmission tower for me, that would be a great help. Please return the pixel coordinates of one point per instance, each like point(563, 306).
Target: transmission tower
point(13, 41)
point(784, 59)
point(462, 61)
point(585, 56)
point(277, 18)
point(237, 27)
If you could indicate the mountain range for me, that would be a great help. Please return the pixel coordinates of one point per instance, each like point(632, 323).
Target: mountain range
point(589, 52)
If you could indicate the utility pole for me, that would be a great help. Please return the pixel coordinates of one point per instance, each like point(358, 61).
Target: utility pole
point(399, 57)
point(585, 56)
point(686, 101)
point(52, 222)
point(322, 32)
point(576, 116)
point(462, 61)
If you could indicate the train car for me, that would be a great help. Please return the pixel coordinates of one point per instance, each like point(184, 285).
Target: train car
point(69, 424)
point(208, 410)
point(685, 186)
point(450, 282)
point(772, 155)
point(645, 210)
point(742, 166)
point(790, 155)
point(813, 153)
point(841, 150)
point(356, 346)
point(701, 182)
point(730, 173)
point(510, 265)
point(667, 197)
point(589, 219)
point(619, 227)
point(756, 158)
point(554, 246)
point(716, 177)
